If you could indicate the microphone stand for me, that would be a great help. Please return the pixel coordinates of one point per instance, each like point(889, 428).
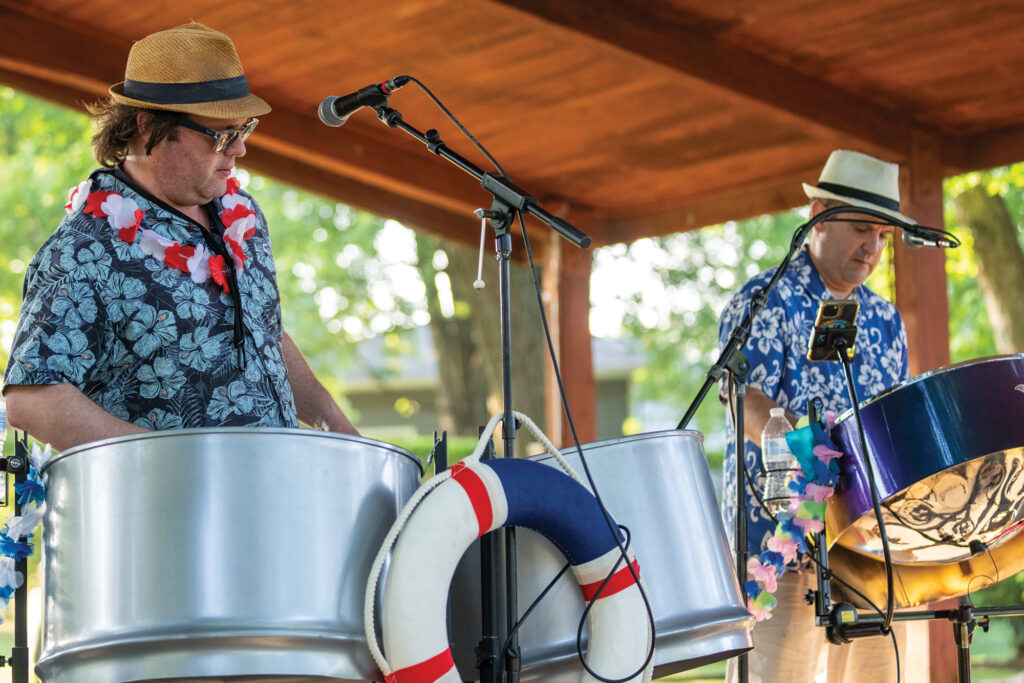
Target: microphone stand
point(727, 360)
point(508, 199)
point(19, 464)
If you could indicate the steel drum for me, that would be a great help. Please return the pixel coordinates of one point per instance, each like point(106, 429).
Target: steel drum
point(218, 552)
point(948, 452)
point(659, 486)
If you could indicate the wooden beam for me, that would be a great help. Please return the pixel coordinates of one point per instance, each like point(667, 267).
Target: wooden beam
point(986, 150)
point(779, 193)
point(462, 228)
point(567, 301)
point(377, 158)
point(691, 45)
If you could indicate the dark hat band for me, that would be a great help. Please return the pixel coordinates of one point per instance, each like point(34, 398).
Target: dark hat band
point(853, 192)
point(187, 93)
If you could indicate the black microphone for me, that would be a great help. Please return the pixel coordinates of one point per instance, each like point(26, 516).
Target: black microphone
point(334, 110)
point(920, 238)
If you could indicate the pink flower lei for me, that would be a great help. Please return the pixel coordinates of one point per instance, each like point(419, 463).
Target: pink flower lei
point(806, 514)
point(125, 216)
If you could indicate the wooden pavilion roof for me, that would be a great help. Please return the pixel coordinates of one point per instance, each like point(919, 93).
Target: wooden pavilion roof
point(626, 117)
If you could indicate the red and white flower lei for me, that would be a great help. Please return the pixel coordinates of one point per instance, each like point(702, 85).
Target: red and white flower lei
point(125, 216)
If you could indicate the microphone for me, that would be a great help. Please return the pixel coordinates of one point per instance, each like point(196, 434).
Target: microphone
point(920, 238)
point(334, 110)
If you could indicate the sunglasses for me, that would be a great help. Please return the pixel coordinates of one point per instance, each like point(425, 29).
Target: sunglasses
point(222, 139)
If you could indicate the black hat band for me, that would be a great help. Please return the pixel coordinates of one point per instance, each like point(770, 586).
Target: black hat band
point(187, 93)
point(853, 192)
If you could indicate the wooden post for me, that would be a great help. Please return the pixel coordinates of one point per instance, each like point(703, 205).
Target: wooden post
point(921, 273)
point(921, 298)
point(567, 301)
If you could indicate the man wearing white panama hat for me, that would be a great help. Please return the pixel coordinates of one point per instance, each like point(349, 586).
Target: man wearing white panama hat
point(154, 305)
point(839, 256)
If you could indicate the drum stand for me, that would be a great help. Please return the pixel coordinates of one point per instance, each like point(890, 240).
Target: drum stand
point(508, 200)
point(18, 464)
point(842, 621)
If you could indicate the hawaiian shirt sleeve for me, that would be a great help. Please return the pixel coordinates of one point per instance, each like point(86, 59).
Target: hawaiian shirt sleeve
point(766, 346)
point(59, 335)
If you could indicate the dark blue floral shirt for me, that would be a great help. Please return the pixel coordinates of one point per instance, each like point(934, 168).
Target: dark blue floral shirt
point(777, 350)
point(147, 342)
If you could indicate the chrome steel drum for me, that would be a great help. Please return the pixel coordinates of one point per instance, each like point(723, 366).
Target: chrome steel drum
point(948, 452)
point(219, 552)
point(659, 486)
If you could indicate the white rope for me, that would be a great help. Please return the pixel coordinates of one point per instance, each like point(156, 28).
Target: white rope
point(485, 437)
point(369, 598)
point(550, 448)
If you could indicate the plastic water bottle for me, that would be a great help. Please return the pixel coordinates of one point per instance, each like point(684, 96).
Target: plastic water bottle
point(779, 463)
point(3, 423)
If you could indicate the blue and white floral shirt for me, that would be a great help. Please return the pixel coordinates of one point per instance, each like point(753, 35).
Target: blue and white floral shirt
point(150, 343)
point(777, 350)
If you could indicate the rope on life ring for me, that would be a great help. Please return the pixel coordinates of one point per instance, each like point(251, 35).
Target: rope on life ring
point(467, 501)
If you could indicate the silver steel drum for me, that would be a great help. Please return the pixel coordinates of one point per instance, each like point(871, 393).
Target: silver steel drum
point(658, 485)
point(216, 552)
point(947, 448)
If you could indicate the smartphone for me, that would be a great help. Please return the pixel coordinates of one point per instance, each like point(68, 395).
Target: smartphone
point(835, 317)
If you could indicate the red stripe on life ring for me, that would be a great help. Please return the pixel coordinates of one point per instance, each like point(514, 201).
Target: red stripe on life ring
point(426, 671)
point(620, 581)
point(475, 488)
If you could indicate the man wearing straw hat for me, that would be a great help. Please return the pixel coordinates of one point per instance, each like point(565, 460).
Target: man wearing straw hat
point(154, 305)
point(840, 254)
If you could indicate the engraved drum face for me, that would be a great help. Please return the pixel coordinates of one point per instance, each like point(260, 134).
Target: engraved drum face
point(220, 552)
point(659, 486)
point(948, 452)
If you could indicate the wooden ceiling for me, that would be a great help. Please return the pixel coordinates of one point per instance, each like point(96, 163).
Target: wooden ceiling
point(625, 117)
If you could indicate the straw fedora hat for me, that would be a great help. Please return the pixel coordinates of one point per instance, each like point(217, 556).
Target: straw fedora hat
point(860, 180)
point(191, 69)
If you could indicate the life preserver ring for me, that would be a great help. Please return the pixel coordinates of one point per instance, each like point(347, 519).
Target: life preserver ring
point(479, 497)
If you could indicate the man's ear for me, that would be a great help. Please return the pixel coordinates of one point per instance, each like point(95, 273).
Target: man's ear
point(144, 122)
point(817, 206)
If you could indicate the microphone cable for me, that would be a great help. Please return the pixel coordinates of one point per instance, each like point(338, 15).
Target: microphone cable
point(613, 527)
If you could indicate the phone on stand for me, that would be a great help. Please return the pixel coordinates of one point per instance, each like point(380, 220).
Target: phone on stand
point(836, 317)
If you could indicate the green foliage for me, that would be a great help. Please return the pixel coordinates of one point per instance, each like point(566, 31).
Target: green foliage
point(970, 330)
point(44, 151)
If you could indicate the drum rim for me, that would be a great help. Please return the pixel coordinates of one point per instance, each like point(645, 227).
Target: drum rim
point(165, 433)
point(847, 414)
point(590, 445)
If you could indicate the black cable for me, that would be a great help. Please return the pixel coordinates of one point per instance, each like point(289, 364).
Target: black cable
point(840, 344)
point(533, 605)
point(590, 478)
point(572, 427)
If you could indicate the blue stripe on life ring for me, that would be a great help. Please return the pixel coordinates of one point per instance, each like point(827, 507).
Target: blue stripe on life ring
point(548, 501)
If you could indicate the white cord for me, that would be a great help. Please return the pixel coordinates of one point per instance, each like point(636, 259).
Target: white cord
point(478, 283)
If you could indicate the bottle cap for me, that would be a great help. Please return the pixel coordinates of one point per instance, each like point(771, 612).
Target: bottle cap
point(778, 412)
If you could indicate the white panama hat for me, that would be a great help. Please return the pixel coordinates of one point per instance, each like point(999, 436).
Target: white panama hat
point(860, 180)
